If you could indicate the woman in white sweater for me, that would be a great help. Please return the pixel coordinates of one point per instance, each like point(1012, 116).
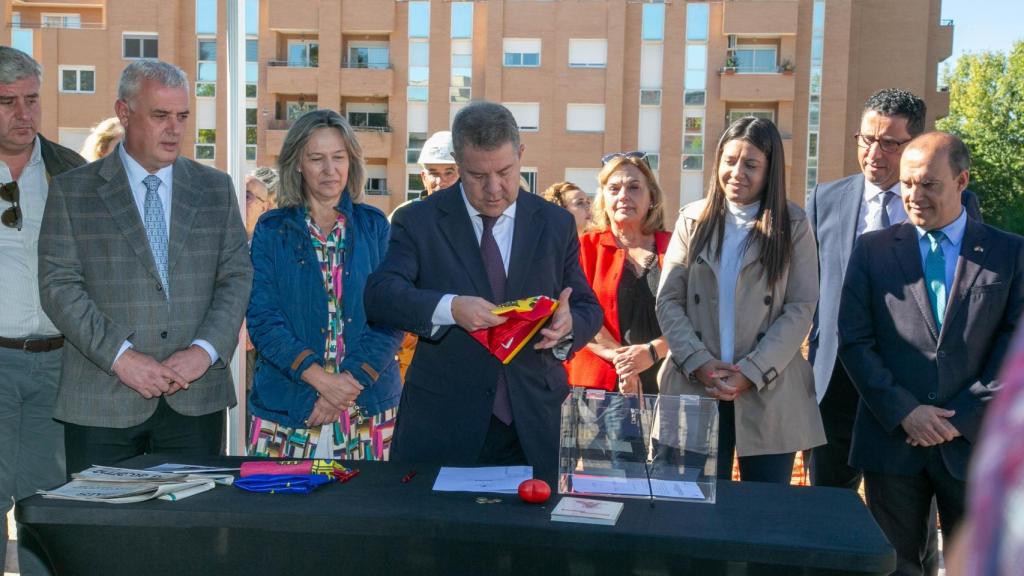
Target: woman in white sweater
point(736, 299)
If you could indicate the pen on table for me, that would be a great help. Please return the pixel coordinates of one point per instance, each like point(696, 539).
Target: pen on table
point(408, 477)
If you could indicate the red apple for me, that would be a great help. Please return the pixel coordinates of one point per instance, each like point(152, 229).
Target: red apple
point(534, 491)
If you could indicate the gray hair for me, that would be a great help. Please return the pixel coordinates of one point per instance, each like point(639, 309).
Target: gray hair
point(290, 157)
point(484, 125)
point(163, 73)
point(15, 65)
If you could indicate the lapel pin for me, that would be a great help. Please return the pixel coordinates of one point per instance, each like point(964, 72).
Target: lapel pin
point(979, 249)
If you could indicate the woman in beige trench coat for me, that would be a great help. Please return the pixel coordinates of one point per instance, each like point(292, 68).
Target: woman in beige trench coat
point(736, 299)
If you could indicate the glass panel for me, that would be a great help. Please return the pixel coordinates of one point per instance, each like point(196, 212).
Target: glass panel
point(693, 98)
point(252, 72)
point(207, 72)
point(149, 48)
point(417, 93)
point(650, 97)
point(206, 136)
point(252, 17)
point(418, 75)
point(297, 54)
point(462, 19)
point(207, 50)
point(415, 183)
point(419, 19)
point(462, 61)
point(295, 109)
point(812, 145)
point(132, 48)
point(250, 116)
point(696, 80)
point(252, 51)
point(696, 57)
point(694, 123)
point(69, 80)
point(314, 54)
point(205, 152)
point(693, 162)
point(22, 40)
point(654, 22)
point(250, 90)
point(86, 80)
point(206, 89)
point(513, 59)
point(693, 144)
point(250, 152)
point(206, 16)
point(250, 135)
point(696, 22)
point(419, 54)
point(531, 59)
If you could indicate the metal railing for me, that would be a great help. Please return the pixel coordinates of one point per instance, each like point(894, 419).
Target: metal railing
point(362, 64)
point(291, 64)
point(378, 129)
point(44, 26)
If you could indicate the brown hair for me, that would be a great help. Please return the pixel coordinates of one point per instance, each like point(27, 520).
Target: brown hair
point(654, 220)
point(771, 231)
point(557, 191)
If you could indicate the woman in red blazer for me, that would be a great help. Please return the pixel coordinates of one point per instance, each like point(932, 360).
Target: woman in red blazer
point(621, 258)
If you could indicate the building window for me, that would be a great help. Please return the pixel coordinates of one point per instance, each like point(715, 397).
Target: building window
point(737, 113)
point(250, 134)
point(756, 59)
point(206, 16)
point(694, 122)
point(363, 56)
point(252, 66)
point(293, 109)
point(654, 22)
point(419, 63)
point(61, 20)
point(588, 52)
point(206, 144)
point(140, 46)
point(252, 17)
point(78, 79)
point(206, 73)
point(412, 150)
point(462, 71)
point(462, 20)
point(303, 53)
point(693, 162)
point(419, 19)
point(584, 117)
point(522, 52)
point(650, 97)
point(585, 178)
point(697, 22)
point(653, 160)
point(530, 176)
point(371, 120)
point(693, 144)
point(377, 186)
point(527, 115)
point(413, 186)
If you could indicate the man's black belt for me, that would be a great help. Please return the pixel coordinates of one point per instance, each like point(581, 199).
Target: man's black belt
point(33, 344)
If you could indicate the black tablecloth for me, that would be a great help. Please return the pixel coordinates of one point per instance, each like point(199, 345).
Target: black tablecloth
point(375, 524)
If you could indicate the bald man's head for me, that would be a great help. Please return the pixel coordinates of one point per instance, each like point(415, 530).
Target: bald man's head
point(934, 171)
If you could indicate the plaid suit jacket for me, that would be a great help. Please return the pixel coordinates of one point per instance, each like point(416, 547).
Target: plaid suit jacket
point(99, 284)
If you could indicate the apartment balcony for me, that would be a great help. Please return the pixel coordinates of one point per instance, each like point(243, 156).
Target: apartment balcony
point(772, 87)
point(285, 79)
point(356, 18)
point(293, 15)
point(366, 82)
point(940, 44)
point(760, 17)
point(376, 142)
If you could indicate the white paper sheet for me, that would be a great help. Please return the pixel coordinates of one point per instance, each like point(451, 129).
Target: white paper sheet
point(587, 484)
point(501, 479)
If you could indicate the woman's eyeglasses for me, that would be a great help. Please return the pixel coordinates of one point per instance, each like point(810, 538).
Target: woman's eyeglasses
point(12, 216)
point(637, 154)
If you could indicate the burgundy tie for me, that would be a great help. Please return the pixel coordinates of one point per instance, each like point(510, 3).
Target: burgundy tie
point(496, 276)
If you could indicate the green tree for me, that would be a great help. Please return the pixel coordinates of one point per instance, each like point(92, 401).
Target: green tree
point(986, 109)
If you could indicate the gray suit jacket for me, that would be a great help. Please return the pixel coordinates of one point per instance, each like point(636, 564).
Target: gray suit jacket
point(898, 360)
point(833, 209)
point(99, 284)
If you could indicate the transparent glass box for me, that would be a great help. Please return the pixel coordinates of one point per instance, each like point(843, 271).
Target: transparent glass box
point(651, 446)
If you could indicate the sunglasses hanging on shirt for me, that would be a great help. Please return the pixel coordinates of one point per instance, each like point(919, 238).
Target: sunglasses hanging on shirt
point(12, 216)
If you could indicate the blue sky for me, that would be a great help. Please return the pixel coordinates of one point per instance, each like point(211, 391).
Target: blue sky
point(984, 25)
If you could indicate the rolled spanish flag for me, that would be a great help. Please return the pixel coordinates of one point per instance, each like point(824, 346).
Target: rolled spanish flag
point(524, 318)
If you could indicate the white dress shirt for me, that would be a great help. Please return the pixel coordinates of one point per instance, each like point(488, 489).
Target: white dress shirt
point(136, 175)
point(738, 222)
point(870, 208)
point(502, 232)
point(21, 315)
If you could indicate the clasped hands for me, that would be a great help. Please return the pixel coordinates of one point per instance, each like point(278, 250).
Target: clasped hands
point(473, 313)
point(151, 379)
point(929, 425)
point(336, 392)
point(722, 381)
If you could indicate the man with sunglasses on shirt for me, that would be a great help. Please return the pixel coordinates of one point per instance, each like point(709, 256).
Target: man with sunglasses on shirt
point(31, 441)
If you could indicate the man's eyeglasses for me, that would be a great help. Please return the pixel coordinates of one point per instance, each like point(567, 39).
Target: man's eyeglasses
point(637, 154)
point(12, 216)
point(865, 141)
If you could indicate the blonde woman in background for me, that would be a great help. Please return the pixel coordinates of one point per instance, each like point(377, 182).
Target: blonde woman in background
point(103, 139)
point(572, 198)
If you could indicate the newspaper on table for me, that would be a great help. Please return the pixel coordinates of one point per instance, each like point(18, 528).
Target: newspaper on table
point(124, 485)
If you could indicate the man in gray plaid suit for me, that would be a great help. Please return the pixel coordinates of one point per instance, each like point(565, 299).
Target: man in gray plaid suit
point(143, 267)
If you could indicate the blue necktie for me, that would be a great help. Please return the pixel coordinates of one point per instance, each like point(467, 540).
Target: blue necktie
point(495, 268)
point(883, 214)
point(935, 276)
point(156, 228)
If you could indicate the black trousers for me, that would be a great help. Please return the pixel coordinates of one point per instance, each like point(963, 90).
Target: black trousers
point(501, 447)
point(166, 431)
point(830, 462)
point(904, 507)
point(774, 468)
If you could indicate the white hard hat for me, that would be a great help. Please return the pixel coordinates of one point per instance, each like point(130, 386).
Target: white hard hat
point(438, 149)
